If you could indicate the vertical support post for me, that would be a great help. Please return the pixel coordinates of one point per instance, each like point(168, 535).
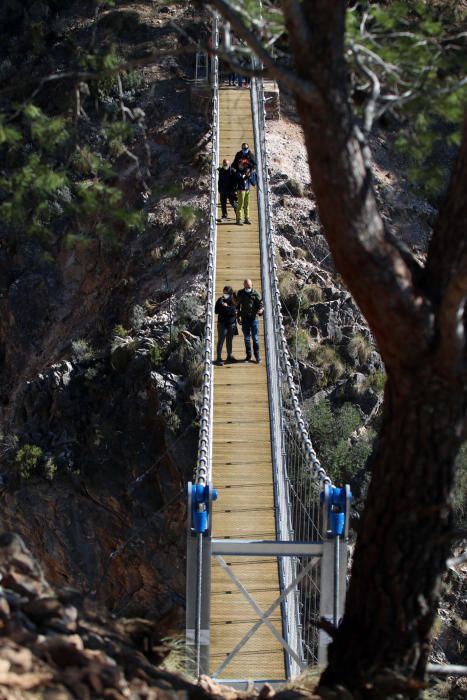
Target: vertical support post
point(198, 576)
point(333, 589)
point(336, 508)
point(198, 588)
point(199, 600)
point(336, 607)
point(326, 601)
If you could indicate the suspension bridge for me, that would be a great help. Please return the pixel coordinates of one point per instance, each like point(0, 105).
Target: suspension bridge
point(266, 548)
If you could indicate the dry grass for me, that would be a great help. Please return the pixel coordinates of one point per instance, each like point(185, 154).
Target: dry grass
point(288, 287)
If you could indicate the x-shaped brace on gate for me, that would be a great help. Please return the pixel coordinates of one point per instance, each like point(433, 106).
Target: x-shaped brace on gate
point(263, 616)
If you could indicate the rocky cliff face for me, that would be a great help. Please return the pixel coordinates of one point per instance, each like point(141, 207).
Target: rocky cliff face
point(57, 645)
point(99, 344)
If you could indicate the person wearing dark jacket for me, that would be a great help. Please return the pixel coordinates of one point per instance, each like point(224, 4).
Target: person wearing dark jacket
point(245, 177)
point(226, 310)
point(226, 185)
point(249, 306)
point(244, 155)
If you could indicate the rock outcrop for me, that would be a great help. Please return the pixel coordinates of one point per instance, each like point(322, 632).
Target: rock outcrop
point(99, 348)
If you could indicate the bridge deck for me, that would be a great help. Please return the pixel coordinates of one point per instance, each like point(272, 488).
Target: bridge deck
point(241, 460)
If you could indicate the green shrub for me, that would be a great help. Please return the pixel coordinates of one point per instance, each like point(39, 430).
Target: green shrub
point(188, 309)
point(8, 444)
point(295, 187)
point(84, 162)
point(437, 690)
point(137, 317)
point(50, 469)
point(330, 432)
point(155, 353)
point(81, 350)
point(437, 627)
point(300, 253)
point(184, 265)
point(288, 287)
point(121, 352)
point(460, 489)
point(376, 381)
point(188, 216)
point(300, 344)
point(120, 331)
point(359, 347)
point(192, 357)
point(150, 307)
point(310, 294)
point(91, 373)
point(195, 371)
point(176, 660)
point(133, 80)
point(173, 423)
point(176, 242)
point(278, 261)
point(78, 241)
point(27, 460)
point(117, 136)
point(327, 357)
point(173, 189)
point(7, 69)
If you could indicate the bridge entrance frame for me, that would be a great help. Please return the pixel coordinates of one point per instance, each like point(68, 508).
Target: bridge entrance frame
point(312, 516)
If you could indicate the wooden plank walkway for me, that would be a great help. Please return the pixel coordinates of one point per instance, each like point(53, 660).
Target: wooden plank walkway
point(241, 459)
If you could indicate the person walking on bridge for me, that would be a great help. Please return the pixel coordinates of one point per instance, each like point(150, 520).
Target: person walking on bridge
point(226, 185)
point(245, 178)
point(226, 310)
point(244, 155)
point(249, 307)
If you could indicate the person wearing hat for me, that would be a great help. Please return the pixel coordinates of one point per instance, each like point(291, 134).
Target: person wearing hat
point(226, 186)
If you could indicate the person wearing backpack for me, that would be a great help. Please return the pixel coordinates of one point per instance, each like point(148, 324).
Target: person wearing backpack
point(226, 310)
point(244, 155)
point(245, 177)
point(249, 307)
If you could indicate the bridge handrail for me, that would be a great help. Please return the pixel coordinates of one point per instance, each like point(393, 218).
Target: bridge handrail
point(317, 470)
point(203, 466)
point(298, 475)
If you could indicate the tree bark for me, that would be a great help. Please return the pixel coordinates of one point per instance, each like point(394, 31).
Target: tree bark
point(403, 542)
point(416, 317)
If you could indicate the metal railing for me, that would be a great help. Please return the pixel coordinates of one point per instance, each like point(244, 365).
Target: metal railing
point(200, 491)
point(203, 466)
point(299, 476)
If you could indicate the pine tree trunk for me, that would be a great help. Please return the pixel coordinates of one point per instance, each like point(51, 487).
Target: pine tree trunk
point(403, 542)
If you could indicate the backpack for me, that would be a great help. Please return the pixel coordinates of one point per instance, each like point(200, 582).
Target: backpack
point(244, 163)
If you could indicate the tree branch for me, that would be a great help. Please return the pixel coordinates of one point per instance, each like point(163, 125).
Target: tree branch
point(445, 275)
point(370, 107)
point(376, 271)
point(130, 64)
point(296, 85)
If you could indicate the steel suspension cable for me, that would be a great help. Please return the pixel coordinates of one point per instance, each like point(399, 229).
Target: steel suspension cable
point(203, 467)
